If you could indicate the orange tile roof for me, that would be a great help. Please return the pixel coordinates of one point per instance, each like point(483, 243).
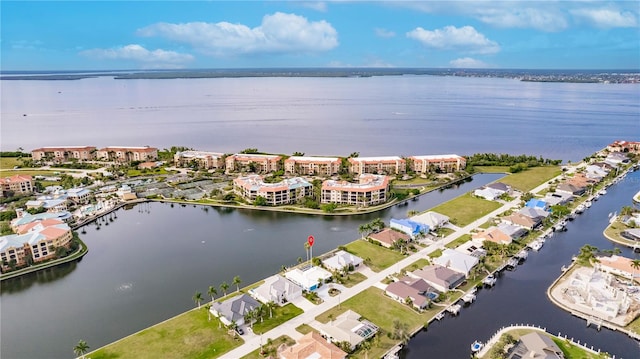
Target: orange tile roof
point(17, 179)
point(389, 236)
point(53, 232)
point(310, 344)
point(45, 223)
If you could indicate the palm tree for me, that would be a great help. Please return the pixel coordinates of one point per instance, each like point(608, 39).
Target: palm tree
point(366, 345)
point(306, 248)
point(207, 307)
point(81, 348)
point(270, 305)
point(212, 292)
point(249, 317)
point(237, 281)
point(223, 287)
point(635, 264)
point(197, 298)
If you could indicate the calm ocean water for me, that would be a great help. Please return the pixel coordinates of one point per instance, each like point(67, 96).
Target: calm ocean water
point(388, 115)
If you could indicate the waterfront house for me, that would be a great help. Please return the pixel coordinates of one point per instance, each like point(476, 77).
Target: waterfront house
point(127, 154)
point(557, 198)
point(537, 203)
point(387, 237)
point(312, 166)
point(616, 159)
point(64, 154)
point(309, 278)
point(377, 165)
point(534, 212)
point(409, 227)
point(370, 190)
point(16, 185)
point(411, 290)
point(432, 219)
point(341, 260)
point(618, 265)
point(348, 327)
point(458, 261)
point(487, 193)
point(492, 234)
point(284, 192)
point(596, 172)
point(571, 189)
point(276, 289)
point(312, 346)
point(535, 345)
point(632, 234)
point(624, 146)
point(581, 180)
point(440, 278)
point(252, 163)
point(200, 159)
point(523, 221)
point(440, 163)
point(234, 309)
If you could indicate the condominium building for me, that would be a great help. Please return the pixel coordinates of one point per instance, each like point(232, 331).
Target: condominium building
point(34, 242)
point(127, 154)
point(207, 160)
point(322, 166)
point(252, 163)
point(624, 146)
point(284, 192)
point(370, 190)
point(64, 154)
point(441, 163)
point(16, 184)
point(377, 165)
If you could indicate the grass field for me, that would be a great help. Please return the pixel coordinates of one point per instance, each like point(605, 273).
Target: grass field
point(420, 263)
point(304, 328)
point(353, 278)
point(458, 241)
point(614, 230)
point(280, 315)
point(527, 180)
point(466, 209)
point(379, 257)
point(7, 173)
point(189, 335)
point(7, 163)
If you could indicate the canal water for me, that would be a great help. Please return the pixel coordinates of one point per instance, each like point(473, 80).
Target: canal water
point(145, 265)
point(519, 297)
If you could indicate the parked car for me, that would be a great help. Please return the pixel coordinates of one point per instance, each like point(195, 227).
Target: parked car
point(240, 331)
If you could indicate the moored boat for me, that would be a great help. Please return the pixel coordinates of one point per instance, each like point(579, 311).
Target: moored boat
point(476, 346)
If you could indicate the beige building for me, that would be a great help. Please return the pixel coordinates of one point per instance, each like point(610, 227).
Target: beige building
point(321, 166)
point(377, 165)
point(127, 154)
point(442, 163)
point(370, 190)
point(64, 154)
point(252, 163)
point(16, 184)
point(206, 160)
point(284, 192)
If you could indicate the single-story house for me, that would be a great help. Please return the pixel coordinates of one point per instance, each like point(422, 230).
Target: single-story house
point(308, 278)
point(312, 346)
point(408, 226)
point(342, 259)
point(505, 188)
point(511, 230)
point(440, 278)
point(537, 203)
point(401, 291)
point(348, 327)
point(432, 219)
point(570, 189)
point(523, 221)
point(596, 171)
point(387, 237)
point(234, 309)
point(618, 265)
point(534, 212)
point(631, 234)
point(458, 261)
point(558, 198)
point(492, 234)
point(276, 289)
point(535, 345)
point(487, 193)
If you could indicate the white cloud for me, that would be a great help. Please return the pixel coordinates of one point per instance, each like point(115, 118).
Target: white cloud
point(278, 33)
point(384, 33)
point(138, 53)
point(606, 18)
point(468, 63)
point(465, 39)
point(514, 17)
point(315, 5)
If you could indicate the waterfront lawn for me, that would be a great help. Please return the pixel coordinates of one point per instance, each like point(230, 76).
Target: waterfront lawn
point(381, 310)
point(466, 209)
point(459, 241)
point(634, 326)
point(270, 347)
point(189, 335)
point(572, 351)
point(492, 169)
point(527, 180)
point(614, 231)
point(280, 315)
point(420, 263)
point(376, 257)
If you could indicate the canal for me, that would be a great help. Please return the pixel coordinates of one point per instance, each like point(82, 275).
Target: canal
point(519, 297)
point(146, 262)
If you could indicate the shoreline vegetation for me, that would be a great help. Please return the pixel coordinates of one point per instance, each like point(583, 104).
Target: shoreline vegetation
point(397, 332)
point(528, 75)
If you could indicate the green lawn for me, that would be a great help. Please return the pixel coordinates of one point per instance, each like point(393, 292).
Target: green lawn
point(7, 163)
point(378, 257)
point(527, 180)
point(634, 326)
point(304, 328)
point(280, 315)
point(466, 209)
point(34, 172)
point(458, 241)
point(571, 351)
point(420, 263)
point(435, 254)
point(352, 279)
point(269, 347)
point(189, 335)
point(381, 310)
point(614, 230)
point(487, 224)
point(492, 169)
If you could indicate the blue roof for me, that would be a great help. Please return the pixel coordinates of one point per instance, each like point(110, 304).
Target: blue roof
point(534, 202)
point(415, 227)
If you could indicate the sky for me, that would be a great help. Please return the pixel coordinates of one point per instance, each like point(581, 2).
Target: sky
point(113, 35)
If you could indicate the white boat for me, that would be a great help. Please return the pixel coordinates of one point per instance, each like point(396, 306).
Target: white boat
point(602, 192)
point(523, 254)
point(587, 204)
point(476, 346)
point(596, 197)
point(580, 208)
point(439, 316)
point(489, 281)
point(535, 245)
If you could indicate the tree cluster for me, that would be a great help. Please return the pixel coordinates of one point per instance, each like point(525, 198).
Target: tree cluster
point(503, 159)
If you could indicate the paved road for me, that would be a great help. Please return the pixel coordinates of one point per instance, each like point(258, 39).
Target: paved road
point(308, 317)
